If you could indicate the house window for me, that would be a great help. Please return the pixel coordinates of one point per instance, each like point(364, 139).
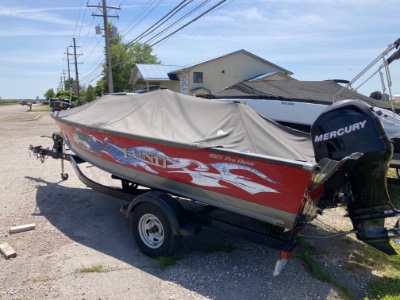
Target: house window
point(198, 77)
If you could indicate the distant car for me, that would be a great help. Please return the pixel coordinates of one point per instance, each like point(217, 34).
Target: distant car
point(59, 104)
point(24, 102)
point(45, 102)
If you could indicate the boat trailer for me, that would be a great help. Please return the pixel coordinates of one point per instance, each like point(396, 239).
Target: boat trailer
point(169, 218)
point(160, 219)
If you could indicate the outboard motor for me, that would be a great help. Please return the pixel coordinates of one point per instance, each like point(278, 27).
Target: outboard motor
point(347, 127)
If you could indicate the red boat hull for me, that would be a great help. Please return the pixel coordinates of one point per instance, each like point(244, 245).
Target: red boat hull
point(266, 188)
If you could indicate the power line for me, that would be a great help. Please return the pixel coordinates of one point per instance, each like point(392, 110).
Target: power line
point(78, 17)
point(94, 48)
point(195, 19)
point(170, 14)
point(80, 28)
point(97, 70)
point(185, 16)
point(86, 38)
point(141, 14)
point(178, 21)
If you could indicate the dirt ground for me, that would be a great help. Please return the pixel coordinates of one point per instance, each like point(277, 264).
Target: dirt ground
point(76, 227)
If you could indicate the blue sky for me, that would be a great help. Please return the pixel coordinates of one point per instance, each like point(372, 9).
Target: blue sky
point(316, 40)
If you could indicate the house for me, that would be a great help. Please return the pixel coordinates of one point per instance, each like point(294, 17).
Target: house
point(210, 76)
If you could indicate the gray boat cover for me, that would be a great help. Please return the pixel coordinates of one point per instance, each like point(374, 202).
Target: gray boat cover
point(175, 119)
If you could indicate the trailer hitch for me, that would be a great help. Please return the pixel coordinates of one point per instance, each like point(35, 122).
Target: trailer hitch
point(57, 152)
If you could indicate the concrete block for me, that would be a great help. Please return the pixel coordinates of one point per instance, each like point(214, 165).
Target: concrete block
point(22, 228)
point(7, 251)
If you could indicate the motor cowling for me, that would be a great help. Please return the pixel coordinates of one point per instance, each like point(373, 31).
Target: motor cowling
point(347, 127)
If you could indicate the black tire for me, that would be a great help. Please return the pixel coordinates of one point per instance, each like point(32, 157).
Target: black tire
point(64, 176)
point(153, 232)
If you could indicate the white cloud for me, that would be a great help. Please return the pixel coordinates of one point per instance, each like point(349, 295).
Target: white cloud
point(39, 14)
point(21, 31)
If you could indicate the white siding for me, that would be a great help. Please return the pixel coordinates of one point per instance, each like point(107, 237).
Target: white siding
point(229, 70)
point(219, 73)
point(171, 85)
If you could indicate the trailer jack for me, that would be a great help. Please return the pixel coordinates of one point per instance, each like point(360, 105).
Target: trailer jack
point(57, 152)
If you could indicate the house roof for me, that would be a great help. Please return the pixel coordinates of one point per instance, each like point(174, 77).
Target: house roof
point(201, 88)
point(321, 92)
point(146, 89)
point(151, 72)
point(156, 72)
point(266, 75)
point(239, 51)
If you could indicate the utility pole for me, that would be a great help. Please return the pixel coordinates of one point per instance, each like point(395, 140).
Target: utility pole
point(104, 8)
point(65, 83)
point(60, 84)
point(69, 78)
point(69, 71)
point(76, 72)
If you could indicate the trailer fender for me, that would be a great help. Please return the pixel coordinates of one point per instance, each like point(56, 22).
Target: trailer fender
point(170, 206)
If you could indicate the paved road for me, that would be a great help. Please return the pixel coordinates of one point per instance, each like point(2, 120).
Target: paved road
point(11, 109)
point(77, 227)
point(18, 112)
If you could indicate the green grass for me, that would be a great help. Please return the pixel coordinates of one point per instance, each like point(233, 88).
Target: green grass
point(165, 261)
point(363, 257)
point(307, 253)
point(395, 103)
point(9, 102)
point(386, 288)
point(98, 268)
point(44, 109)
point(360, 258)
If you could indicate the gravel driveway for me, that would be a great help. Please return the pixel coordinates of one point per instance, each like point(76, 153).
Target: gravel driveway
point(77, 228)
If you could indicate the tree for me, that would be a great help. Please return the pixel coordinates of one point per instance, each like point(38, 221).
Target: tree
point(89, 94)
point(98, 90)
point(124, 56)
point(49, 94)
point(66, 95)
point(70, 84)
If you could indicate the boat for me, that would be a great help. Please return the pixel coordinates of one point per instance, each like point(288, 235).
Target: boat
point(298, 104)
point(306, 100)
point(226, 157)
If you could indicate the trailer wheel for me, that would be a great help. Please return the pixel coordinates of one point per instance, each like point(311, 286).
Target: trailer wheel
point(64, 176)
point(153, 232)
